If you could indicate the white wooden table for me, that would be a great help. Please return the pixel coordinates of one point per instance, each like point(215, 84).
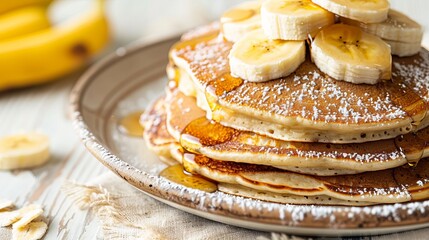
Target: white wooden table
point(45, 109)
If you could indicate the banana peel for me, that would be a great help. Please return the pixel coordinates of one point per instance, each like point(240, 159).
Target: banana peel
point(8, 5)
point(54, 52)
point(23, 21)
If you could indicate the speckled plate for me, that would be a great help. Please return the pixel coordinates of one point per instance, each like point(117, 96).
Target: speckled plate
point(127, 81)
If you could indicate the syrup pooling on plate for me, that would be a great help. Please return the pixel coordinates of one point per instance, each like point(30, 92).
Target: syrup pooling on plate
point(177, 174)
point(130, 124)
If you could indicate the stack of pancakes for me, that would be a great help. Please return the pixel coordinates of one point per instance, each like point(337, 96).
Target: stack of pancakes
point(305, 138)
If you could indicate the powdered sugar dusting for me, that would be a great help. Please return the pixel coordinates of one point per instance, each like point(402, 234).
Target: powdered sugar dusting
point(414, 73)
point(361, 153)
point(308, 93)
point(204, 59)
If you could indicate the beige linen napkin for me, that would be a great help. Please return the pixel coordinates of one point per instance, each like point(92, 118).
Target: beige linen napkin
point(127, 213)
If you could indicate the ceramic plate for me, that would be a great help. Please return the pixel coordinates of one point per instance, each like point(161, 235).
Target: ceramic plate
point(129, 80)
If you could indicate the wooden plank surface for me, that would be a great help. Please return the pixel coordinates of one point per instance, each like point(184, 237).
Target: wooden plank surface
point(44, 109)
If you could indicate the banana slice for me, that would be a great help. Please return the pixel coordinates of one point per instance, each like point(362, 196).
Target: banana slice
point(256, 58)
point(23, 151)
point(293, 19)
point(398, 27)
point(403, 34)
point(240, 20)
point(32, 231)
point(368, 11)
point(4, 204)
point(404, 49)
point(10, 217)
point(347, 53)
point(27, 217)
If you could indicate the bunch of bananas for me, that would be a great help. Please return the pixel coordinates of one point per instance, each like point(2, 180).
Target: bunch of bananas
point(34, 52)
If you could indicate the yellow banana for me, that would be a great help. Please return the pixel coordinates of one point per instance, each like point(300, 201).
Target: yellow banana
point(23, 21)
point(45, 55)
point(7, 5)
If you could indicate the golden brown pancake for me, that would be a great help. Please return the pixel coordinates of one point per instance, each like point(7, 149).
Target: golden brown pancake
point(155, 133)
point(180, 110)
point(307, 105)
point(211, 139)
point(242, 191)
point(399, 184)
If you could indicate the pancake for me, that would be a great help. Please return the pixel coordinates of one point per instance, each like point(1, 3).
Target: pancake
point(176, 124)
point(198, 136)
point(399, 184)
point(395, 185)
point(155, 133)
point(235, 189)
point(307, 106)
point(302, 139)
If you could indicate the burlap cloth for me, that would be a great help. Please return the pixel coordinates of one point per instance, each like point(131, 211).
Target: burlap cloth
point(126, 213)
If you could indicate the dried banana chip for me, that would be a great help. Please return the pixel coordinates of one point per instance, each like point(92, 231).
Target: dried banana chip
point(32, 231)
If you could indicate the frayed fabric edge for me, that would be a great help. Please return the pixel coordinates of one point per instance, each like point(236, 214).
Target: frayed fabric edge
point(108, 210)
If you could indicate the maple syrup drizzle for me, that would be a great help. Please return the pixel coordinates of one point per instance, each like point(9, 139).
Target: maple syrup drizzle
point(224, 84)
point(177, 174)
point(206, 133)
point(237, 15)
point(413, 146)
point(177, 75)
point(130, 124)
point(218, 87)
point(192, 43)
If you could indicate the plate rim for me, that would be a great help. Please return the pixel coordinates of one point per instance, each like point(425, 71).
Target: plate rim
point(147, 182)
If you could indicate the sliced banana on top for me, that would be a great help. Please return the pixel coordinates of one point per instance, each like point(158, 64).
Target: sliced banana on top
point(368, 11)
point(240, 20)
point(403, 34)
point(397, 27)
point(404, 49)
point(23, 151)
point(347, 53)
point(293, 19)
point(256, 58)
